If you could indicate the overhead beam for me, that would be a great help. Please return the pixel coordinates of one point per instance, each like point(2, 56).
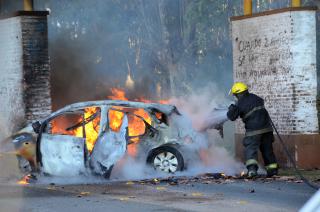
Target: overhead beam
point(295, 3)
point(247, 7)
point(28, 5)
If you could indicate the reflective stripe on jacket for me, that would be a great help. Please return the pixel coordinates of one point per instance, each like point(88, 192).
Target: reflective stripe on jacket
point(250, 108)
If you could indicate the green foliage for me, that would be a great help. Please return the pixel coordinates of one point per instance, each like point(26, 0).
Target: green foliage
point(208, 24)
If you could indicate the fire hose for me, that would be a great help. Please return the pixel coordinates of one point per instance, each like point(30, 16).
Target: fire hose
point(292, 161)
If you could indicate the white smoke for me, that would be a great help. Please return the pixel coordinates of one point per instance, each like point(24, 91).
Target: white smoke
point(205, 107)
point(130, 168)
point(215, 160)
point(198, 117)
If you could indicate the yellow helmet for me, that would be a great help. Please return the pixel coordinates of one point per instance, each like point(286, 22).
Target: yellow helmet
point(238, 87)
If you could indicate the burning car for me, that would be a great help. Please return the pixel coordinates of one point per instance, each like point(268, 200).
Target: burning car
point(91, 137)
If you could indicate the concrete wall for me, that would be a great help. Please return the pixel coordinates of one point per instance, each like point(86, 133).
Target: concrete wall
point(12, 110)
point(275, 54)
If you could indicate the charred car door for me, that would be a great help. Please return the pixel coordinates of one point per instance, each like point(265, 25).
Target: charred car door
point(111, 145)
point(61, 148)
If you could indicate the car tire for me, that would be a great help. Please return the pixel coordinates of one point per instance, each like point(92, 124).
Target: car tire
point(166, 159)
point(106, 172)
point(24, 165)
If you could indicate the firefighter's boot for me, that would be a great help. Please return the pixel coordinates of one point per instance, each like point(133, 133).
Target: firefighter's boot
point(252, 171)
point(272, 169)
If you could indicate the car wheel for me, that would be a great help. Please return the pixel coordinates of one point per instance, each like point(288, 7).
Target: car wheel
point(105, 171)
point(167, 159)
point(24, 165)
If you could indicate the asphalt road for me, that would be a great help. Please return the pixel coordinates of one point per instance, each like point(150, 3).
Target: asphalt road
point(198, 195)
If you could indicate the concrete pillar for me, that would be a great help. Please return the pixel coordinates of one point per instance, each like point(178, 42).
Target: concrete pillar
point(274, 52)
point(25, 71)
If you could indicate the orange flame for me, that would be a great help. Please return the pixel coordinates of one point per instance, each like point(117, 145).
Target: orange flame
point(24, 180)
point(117, 94)
point(136, 125)
point(91, 129)
point(115, 118)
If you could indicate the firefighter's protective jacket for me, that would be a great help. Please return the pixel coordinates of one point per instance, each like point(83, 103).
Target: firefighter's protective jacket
point(250, 108)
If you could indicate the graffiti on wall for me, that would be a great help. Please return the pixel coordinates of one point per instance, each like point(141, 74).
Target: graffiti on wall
point(274, 56)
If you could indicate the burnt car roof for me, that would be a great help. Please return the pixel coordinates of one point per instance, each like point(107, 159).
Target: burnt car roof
point(163, 108)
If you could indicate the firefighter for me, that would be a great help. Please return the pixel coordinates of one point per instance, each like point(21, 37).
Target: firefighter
point(259, 132)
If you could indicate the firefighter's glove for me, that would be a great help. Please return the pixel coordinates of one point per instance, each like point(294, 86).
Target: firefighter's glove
point(232, 107)
point(233, 112)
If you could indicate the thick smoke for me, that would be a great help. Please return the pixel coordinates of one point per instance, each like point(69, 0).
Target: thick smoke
point(215, 160)
point(205, 106)
point(195, 109)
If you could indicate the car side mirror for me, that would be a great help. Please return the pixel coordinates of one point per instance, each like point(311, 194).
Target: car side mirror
point(36, 126)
